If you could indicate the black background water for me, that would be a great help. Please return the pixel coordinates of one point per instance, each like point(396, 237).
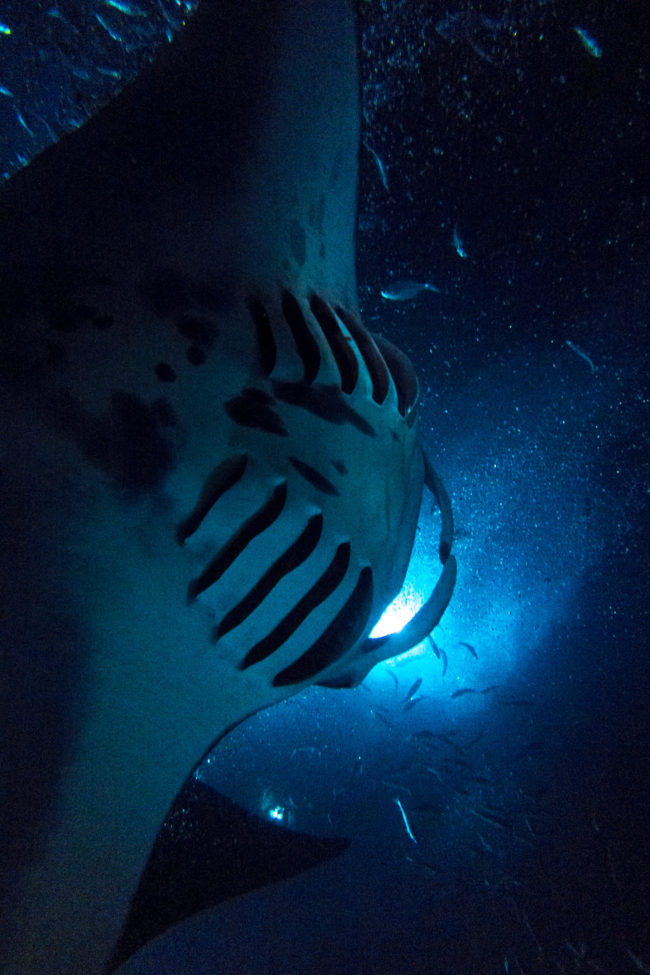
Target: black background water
point(529, 802)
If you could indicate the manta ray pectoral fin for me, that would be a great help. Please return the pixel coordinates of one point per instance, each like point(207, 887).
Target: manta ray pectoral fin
point(211, 850)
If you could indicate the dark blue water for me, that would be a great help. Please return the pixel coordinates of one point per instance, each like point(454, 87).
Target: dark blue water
point(504, 828)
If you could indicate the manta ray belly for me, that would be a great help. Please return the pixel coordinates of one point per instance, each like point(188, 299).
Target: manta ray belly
point(279, 439)
point(303, 536)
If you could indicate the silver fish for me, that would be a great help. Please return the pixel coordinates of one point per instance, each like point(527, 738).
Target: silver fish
point(415, 686)
point(407, 825)
point(129, 9)
point(406, 290)
point(444, 662)
point(589, 42)
point(470, 647)
point(381, 167)
point(458, 245)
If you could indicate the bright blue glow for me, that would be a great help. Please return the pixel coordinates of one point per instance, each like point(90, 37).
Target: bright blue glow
point(399, 612)
point(505, 603)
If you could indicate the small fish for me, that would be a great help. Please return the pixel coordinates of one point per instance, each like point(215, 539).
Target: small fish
point(109, 72)
point(426, 866)
point(480, 779)
point(383, 717)
point(56, 14)
point(125, 8)
point(5, 91)
point(4, 29)
point(640, 964)
point(109, 30)
point(407, 827)
point(487, 36)
point(486, 846)
point(470, 648)
point(464, 690)
point(583, 355)
point(396, 785)
point(380, 166)
point(434, 646)
point(459, 763)
point(449, 741)
point(425, 733)
point(476, 737)
point(406, 290)
point(589, 43)
point(387, 670)
point(413, 701)
point(494, 818)
point(458, 244)
point(415, 687)
point(23, 122)
point(444, 662)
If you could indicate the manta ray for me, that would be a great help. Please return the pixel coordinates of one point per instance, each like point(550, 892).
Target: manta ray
point(210, 469)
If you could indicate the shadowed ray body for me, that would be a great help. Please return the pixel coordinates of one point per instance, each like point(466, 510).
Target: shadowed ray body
point(210, 470)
